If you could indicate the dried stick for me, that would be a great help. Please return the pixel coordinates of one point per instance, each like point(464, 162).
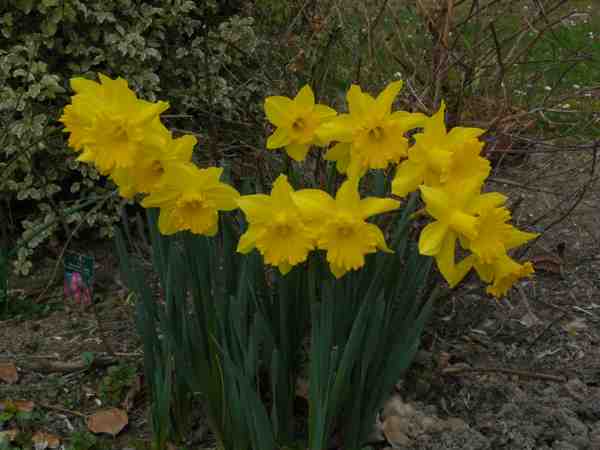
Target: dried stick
point(520, 373)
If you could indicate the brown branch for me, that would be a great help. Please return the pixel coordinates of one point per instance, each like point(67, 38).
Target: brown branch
point(520, 373)
point(49, 366)
point(62, 410)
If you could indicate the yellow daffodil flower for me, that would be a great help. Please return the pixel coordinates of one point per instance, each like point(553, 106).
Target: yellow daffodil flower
point(148, 173)
point(275, 227)
point(490, 247)
point(503, 272)
point(296, 121)
point(497, 236)
point(441, 158)
point(189, 198)
point(109, 124)
point(342, 230)
point(376, 134)
point(455, 214)
point(506, 273)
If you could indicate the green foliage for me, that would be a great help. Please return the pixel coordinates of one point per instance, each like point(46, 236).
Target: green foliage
point(84, 440)
point(116, 382)
point(228, 328)
point(192, 53)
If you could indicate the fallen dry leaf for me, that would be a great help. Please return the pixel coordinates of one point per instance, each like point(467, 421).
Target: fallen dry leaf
point(24, 405)
point(547, 263)
point(8, 435)
point(394, 430)
point(42, 440)
point(8, 373)
point(19, 405)
point(110, 421)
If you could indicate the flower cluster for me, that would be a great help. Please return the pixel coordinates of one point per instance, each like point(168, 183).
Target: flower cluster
point(288, 224)
point(449, 171)
point(125, 139)
point(445, 166)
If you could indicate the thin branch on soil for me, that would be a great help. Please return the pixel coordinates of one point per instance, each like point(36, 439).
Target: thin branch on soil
point(49, 366)
point(62, 410)
point(546, 328)
point(520, 373)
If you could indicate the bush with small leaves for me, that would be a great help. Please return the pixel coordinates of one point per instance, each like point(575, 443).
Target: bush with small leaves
point(192, 53)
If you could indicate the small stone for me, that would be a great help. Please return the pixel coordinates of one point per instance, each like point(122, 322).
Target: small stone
point(393, 428)
point(431, 425)
point(396, 407)
point(563, 445)
point(590, 409)
point(576, 427)
point(456, 424)
point(595, 435)
point(576, 388)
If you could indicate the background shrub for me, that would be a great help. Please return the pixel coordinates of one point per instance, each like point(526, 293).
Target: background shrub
point(193, 54)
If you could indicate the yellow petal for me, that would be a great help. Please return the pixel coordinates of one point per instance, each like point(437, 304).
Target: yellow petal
point(284, 268)
point(379, 238)
point(436, 200)
point(487, 201)
point(279, 111)
point(247, 240)
point(347, 195)
point(432, 238)
point(484, 271)
point(281, 193)
point(159, 198)
point(436, 125)
point(256, 207)
point(340, 153)
point(297, 152)
point(517, 237)
point(408, 121)
point(371, 206)
point(359, 102)
point(81, 85)
point(445, 260)
point(461, 134)
point(337, 271)
point(340, 128)
point(323, 112)
point(313, 203)
point(386, 98)
point(465, 224)
point(305, 100)
point(280, 138)
point(166, 224)
point(224, 196)
point(182, 147)
point(409, 176)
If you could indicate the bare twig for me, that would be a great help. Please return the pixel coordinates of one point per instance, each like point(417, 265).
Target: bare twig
point(61, 409)
point(520, 373)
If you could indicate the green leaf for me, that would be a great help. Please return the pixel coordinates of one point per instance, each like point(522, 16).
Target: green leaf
point(88, 358)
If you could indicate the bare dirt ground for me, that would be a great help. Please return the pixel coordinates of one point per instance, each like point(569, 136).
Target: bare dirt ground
point(522, 373)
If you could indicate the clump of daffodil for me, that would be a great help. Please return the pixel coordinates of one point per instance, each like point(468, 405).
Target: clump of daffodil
point(109, 124)
point(189, 198)
point(340, 224)
point(439, 158)
point(372, 136)
point(296, 121)
point(147, 174)
point(276, 227)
